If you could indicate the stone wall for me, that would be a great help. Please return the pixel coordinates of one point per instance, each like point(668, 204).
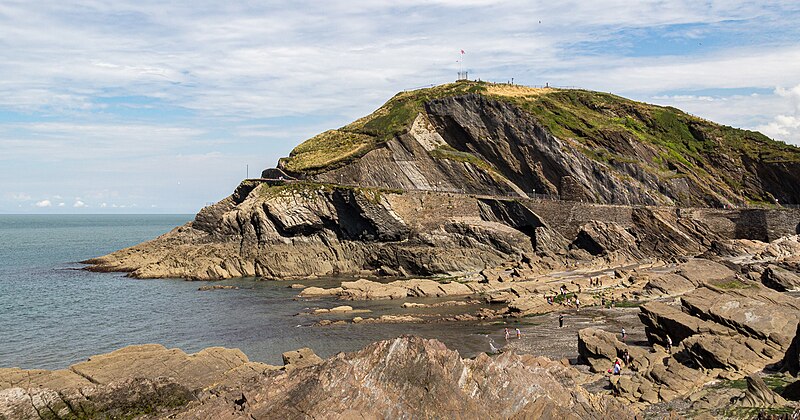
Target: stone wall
point(568, 216)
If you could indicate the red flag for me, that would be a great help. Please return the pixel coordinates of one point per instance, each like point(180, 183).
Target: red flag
point(462, 51)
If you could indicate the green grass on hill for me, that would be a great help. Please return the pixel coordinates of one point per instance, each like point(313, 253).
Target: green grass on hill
point(607, 128)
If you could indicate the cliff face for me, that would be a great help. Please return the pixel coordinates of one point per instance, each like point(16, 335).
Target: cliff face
point(422, 186)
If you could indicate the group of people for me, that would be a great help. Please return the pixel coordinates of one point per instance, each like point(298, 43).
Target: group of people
point(626, 360)
point(508, 333)
point(565, 298)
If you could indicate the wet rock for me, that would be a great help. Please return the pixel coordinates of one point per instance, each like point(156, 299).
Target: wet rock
point(318, 292)
point(217, 287)
point(368, 290)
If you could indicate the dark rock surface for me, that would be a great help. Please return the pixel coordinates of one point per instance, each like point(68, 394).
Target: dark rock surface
point(780, 279)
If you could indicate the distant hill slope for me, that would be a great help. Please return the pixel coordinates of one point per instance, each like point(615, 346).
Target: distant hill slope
point(485, 138)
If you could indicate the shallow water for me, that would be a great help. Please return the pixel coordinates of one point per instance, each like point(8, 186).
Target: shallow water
point(53, 314)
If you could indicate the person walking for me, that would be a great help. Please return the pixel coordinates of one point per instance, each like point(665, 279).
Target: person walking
point(560, 320)
point(519, 334)
point(623, 334)
point(507, 334)
point(669, 345)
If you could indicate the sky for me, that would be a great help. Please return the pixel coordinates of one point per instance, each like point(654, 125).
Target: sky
point(164, 107)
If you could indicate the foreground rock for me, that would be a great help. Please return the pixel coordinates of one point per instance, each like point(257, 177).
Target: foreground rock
point(404, 377)
point(416, 378)
point(128, 382)
point(725, 329)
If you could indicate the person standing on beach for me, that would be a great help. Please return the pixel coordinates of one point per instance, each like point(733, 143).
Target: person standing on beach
point(560, 320)
point(507, 334)
point(519, 334)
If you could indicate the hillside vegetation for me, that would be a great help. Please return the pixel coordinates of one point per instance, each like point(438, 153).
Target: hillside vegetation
point(613, 131)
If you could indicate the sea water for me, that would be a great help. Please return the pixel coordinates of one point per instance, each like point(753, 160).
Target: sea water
point(53, 313)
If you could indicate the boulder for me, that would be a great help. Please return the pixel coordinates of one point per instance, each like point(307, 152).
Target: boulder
point(300, 358)
point(668, 284)
point(530, 305)
point(759, 395)
point(699, 271)
point(780, 279)
point(363, 289)
point(319, 292)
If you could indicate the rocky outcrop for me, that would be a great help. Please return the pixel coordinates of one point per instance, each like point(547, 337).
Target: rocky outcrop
point(780, 279)
point(759, 395)
point(364, 289)
point(725, 329)
point(791, 360)
point(414, 377)
point(135, 380)
point(402, 377)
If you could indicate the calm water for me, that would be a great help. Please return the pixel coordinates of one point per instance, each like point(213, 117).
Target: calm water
point(53, 314)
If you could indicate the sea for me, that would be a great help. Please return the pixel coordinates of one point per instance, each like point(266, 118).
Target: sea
point(53, 313)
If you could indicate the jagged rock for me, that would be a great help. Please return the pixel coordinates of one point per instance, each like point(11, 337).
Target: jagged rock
point(668, 284)
point(367, 290)
point(600, 238)
point(780, 279)
point(599, 349)
point(217, 287)
point(414, 377)
point(758, 395)
point(530, 305)
point(317, 292)
point(791, 360)
point(300, 358)
point(663, 320)
point(699, 271)
point(122, 383)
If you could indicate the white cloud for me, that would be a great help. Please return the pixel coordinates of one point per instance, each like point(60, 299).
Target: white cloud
point(103, 205)
point(79, 204)
point(786, 127)
point(61, 204)
point(43, 203)
point(21, 197)
point(128, 98)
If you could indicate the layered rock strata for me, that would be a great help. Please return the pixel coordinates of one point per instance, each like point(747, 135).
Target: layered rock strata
point(403, 377)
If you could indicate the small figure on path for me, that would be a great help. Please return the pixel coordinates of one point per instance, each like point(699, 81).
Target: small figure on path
point(623, 334)
point(507, 333)
point(560, 320)
point(669, 345)
point(626, 357)
point(519, 334)
point(577, 304)
point(616, 369)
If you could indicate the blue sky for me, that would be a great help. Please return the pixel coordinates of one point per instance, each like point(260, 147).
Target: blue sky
point(157, 107)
